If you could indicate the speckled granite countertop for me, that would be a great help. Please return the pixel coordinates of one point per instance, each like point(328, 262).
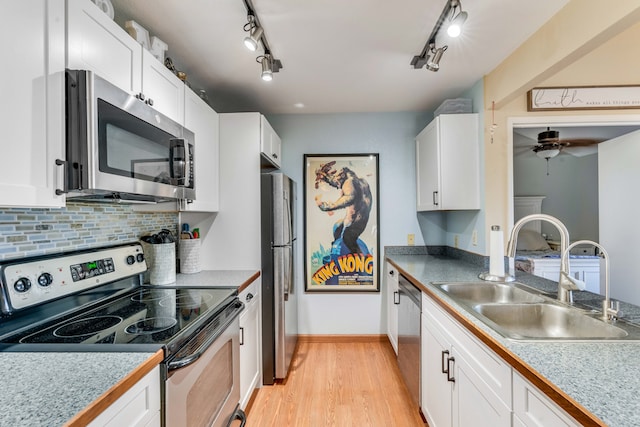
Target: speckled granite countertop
point(48, 389)
point(603, 378)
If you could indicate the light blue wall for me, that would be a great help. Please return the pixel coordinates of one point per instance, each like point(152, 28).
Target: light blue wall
point(392, 135)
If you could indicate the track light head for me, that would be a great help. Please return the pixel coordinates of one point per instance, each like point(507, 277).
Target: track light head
point(252, 40)
point(434, 62)
point(455, 25)
point(267, 67)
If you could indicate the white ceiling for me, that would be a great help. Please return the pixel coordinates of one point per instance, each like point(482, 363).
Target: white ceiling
point(337, 56)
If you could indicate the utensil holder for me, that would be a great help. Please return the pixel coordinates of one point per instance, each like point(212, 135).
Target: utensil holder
point(161, 263)
point(189, 256)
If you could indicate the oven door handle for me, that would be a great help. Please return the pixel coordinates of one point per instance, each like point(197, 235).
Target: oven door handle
point(238, 414)
point(187, 360)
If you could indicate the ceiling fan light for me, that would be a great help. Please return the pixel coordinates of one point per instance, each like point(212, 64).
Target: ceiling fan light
point(251, 41)
point(548, 154)
point(455, 26)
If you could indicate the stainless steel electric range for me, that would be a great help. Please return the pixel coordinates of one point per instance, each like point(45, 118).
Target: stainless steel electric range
point(94, 300)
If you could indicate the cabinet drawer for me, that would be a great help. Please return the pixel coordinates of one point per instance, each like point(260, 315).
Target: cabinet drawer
point(488, 366)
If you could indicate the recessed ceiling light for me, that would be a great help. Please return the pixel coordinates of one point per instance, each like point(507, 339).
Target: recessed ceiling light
point(298, 105)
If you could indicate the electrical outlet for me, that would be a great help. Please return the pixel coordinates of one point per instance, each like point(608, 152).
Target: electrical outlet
point(411, 239)
point(474, 238)
point(456, 241)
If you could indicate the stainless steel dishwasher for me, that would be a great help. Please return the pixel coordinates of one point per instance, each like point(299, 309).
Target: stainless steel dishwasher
point(409, 336)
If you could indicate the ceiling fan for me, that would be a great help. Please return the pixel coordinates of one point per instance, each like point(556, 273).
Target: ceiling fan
point(550, 145)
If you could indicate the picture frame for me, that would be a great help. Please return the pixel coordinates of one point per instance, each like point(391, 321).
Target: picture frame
point(341, 189)
point(614, 97)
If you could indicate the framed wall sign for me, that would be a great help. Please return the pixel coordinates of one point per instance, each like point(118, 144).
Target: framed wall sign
point(341, 225)
point(583, 98)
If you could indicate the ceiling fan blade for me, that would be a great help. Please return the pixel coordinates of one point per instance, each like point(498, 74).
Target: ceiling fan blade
point(580, 142)
point(580, 151)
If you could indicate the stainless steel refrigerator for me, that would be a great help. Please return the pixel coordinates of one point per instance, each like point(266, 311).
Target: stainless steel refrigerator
point(279, 299)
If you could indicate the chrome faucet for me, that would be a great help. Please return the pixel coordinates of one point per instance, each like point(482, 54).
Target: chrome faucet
point(566, 284)
point(608, 312)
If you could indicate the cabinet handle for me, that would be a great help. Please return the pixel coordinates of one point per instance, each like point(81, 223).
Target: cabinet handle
point(140, 96)
point(249, 297)
point(445, 365)
point(435, 198)
point(62, 163)
point(241, 335)
point(391, 273)
point(450, 365)
point(149, 102)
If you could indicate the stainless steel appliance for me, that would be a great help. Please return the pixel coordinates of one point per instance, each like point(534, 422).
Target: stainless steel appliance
point(93, 300)
point(409, 336)
point(279, 299)
point(120, 149)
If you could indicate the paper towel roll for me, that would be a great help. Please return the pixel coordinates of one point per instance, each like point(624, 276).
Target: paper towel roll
point(496, 251)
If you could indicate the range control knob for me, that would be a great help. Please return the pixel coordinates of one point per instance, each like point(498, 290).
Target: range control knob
point(22, 285)
point(45, 279)
point(131, 259)
point(140, 257)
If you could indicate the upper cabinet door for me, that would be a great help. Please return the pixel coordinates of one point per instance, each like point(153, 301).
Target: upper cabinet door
point(32, 111)
point(270, 142)
point(203, 121)
point(448, 164)
point(95, 42)
point(163, 90)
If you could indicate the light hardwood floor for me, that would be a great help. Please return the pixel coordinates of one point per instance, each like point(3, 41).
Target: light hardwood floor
point(338, 384)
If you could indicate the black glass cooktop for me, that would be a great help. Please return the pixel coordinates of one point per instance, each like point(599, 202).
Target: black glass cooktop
point(147, 315)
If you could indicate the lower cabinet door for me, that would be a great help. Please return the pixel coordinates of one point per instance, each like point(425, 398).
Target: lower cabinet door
point(474, 403)
point(250, 355)
point(138, 407)
point(533, 409)
point(436, 398)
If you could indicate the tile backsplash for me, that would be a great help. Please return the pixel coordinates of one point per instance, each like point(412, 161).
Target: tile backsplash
point(29, 232)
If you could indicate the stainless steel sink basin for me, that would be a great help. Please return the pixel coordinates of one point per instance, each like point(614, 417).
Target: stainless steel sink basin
point(519, 312)
point(486, 292)
point(546, 321)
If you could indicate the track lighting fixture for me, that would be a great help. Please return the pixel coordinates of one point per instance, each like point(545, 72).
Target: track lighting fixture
point(453, 15)
point(256, 35)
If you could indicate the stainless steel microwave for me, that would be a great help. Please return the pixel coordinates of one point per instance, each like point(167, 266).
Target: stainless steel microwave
point(121, 149)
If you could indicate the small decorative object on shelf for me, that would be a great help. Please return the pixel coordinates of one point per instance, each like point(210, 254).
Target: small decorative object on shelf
point(154, 45)
point(168, 62)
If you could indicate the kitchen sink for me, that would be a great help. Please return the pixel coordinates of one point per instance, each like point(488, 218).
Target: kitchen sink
point(547, 321)
point(519, 312)
point(484, 292)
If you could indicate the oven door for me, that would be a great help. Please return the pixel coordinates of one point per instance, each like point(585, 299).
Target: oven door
point(203, 388)
point(116, 143)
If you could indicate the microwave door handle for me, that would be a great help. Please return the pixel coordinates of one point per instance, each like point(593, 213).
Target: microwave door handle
point(177, 167)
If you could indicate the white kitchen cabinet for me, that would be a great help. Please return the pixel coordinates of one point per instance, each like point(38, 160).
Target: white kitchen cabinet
point(463, 383)
point(448, 164)
point(270, 143)
point(137, 407)
point(393, 299)
point(97, 43)
point(162, 89)
point(203, 121)
point(32, 110)
point(531, 408)
point(250, 342)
